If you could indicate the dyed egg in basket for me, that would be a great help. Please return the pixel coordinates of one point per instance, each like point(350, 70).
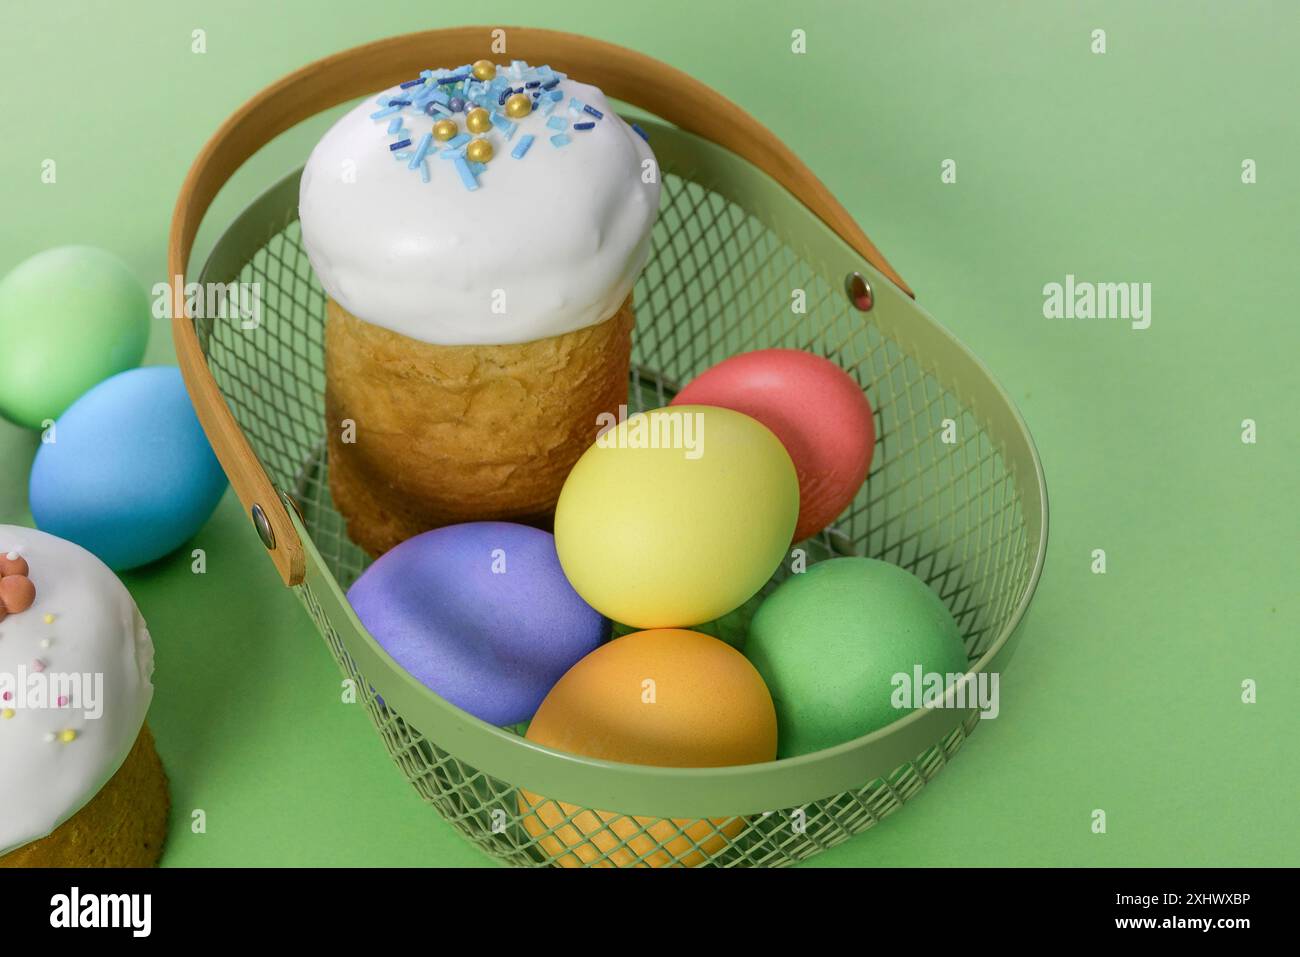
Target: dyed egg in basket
point(742, 222)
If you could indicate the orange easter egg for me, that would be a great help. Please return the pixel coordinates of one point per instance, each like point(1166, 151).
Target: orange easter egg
point(666, 697)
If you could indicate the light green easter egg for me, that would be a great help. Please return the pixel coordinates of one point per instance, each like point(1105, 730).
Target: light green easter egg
point(832, 642)
point(70, 317)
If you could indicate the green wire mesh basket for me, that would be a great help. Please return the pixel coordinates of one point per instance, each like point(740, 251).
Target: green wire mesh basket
point(955, 495)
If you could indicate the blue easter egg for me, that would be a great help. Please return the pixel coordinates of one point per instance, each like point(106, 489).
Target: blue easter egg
point(129, 475)
point(481, 614)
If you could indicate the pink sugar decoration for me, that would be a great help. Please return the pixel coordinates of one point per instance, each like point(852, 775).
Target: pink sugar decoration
point(38, 666)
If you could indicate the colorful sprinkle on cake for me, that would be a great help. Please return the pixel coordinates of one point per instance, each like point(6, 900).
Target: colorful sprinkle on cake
point(483, 99)
point(17, 593)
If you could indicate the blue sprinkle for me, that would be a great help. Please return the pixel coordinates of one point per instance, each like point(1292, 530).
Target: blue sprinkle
point(424, 172)
point(395, 125)
point(551, 84)
point(400, 144)
point(558, 123)
point(401, 154)
point(466, 176)
point(431, 108)
point(410, 83)
point(505, 94)
point(438, 96)
point(387, 111)
point(421, 151)
point(506, 127)
point(521, 147)
point(576, 104)
point(450, 154)
point(448, 80)
point(399, 102)
point(560, 139)
point(556, 96)
point(477, 168)
point(532, 84)
point(549, 108)
point(583, 126)
point(593, 111)
point(642, 133)
point(460, 139)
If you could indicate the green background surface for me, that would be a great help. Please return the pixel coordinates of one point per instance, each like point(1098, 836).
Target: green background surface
point(1125, 694)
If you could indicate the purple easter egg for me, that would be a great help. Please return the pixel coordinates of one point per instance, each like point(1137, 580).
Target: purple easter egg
point(481, 614)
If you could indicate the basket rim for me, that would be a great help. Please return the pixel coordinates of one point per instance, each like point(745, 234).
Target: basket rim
point(511, 758)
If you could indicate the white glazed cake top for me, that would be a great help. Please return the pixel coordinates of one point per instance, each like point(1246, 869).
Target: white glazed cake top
point(542, 244)
point(54, 759)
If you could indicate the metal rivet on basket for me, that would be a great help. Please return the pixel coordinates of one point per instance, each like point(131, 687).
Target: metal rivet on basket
point(263, 525)
point(859, 291)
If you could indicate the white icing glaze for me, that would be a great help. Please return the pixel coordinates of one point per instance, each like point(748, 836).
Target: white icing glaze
point(96, 629)
point(563, 232)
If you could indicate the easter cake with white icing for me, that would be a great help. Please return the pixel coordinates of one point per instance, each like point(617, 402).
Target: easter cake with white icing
point(477, 231)
point(82, 784)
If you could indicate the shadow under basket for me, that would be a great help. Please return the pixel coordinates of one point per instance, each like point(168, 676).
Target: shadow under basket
point(956, 495)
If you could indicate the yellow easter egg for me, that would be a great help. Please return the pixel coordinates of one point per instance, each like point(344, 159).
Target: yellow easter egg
point(668, 698)
point(676, 516)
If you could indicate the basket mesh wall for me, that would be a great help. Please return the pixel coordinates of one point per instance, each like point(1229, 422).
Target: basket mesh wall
point(719, 281)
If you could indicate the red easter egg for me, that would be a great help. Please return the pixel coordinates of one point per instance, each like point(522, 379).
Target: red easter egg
point(817, 411)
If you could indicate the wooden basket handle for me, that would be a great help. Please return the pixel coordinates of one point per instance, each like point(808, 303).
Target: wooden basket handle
point(621, 73)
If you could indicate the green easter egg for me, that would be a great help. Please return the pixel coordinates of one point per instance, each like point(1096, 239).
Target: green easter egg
point(829, 643)
point(70, 317)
